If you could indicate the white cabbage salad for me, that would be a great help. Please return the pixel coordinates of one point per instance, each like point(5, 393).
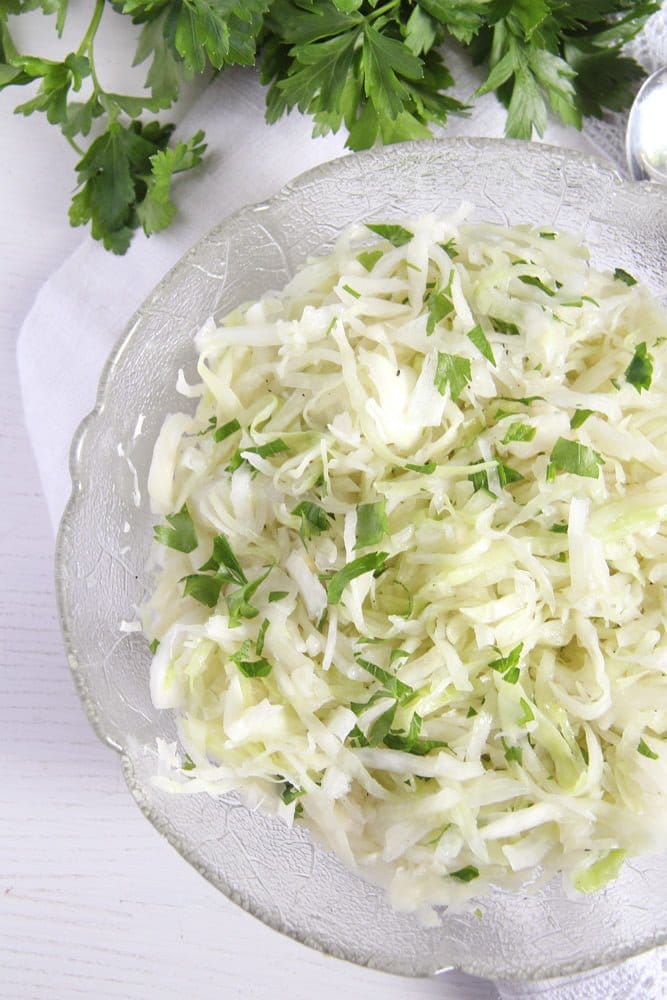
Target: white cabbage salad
point(410, 585)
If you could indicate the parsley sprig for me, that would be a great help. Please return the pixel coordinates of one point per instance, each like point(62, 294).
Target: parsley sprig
point(371, 67)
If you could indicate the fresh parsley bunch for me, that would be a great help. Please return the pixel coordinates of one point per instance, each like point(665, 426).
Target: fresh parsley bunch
point(374, 68)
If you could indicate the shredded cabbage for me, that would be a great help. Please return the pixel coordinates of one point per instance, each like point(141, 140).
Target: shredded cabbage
point(425, 613)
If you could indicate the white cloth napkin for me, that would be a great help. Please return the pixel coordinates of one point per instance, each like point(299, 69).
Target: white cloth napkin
point(84, 307)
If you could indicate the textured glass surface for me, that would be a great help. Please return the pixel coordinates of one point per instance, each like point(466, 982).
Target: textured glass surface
point(278, 874)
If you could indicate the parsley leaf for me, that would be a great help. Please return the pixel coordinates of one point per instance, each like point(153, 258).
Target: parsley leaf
point(504, 326)
point(479, 339)
point(466, 874)
point(397, 235)
point(579, 417)
point(519, 431)
point(180, 535)
point(156, 210)
point(576, 458)
point(263, 450)
point(370, 563)
point(411, 742)
point(452, 371)
point(369, 258)
point(313, 519)
point(427, 468)
point(205, 589)
point(371, 524)
point(623, 276)
point(644, 749)
point(639, 372)
point(397, 689)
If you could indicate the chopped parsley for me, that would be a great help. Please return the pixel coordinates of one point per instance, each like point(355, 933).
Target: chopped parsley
point(579, 417)
point(369, 258)
point(397, 235)
point(180, 534)
point(466, 874)
point(370, 563)
point(372, 524)
point(519, 432)
point(575, 458)
point(644, 749)
point(263, 450)
point(314, 519)
point(477, 337)
point(226, 430)
point(452, 371)
point(623, 276)
point(639, 372)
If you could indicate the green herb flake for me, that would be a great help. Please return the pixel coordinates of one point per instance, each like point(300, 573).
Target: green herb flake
point(263, 450)
point(504, 663)
point(372, 524)
point(352, 291)
point(314, 519)
point(579, 417)
point(369, 258)
point(530, 279)
point(644, 749)
point(548, 236)
point(427, 468)
point(381, 726)
point(507, 475)
point(512, 675)
point(224, 563)
point(471, 712)
point(452, 371)
point(154, 646)
point(259, 644)
point(639, 372)
point(519, 432)
point(479, 480)
point(398, 654)
point(253, 668)
point(627, 279)
point(439, 306)
point(513, 754)
point(559, 528)
point(466, 874)
point(277, 595)
point(205, 589)
point(575, 458)
point(477, 337)
point(396, 235)
point(504, 326)
point(524, 400)
point(528, 714)
point(410, 742)
point(231, 427)
point(188, 763)
point(291, 792)
point(397, 689)
point(450, 248)
point(238, 602)
point(369, 563)
point(180, 535)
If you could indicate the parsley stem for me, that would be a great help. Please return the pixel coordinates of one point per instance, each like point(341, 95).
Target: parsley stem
point(382, 10)
point(91, 31)
point(75, 146)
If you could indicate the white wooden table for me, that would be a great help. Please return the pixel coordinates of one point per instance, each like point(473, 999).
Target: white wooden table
point(93, 902)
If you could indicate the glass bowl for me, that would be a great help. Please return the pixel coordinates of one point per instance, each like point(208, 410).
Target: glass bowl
point(280, 875)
